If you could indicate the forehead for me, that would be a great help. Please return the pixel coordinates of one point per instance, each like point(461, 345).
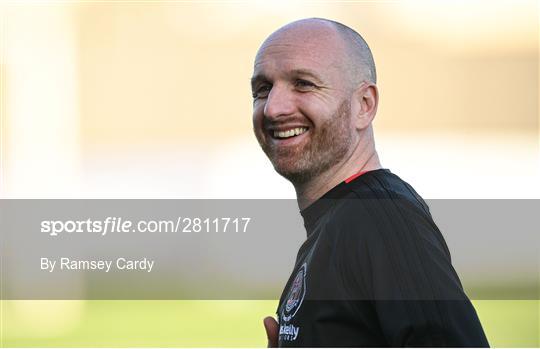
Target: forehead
point(316, 49)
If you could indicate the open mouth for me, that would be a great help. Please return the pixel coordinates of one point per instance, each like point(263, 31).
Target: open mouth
point(290, 133)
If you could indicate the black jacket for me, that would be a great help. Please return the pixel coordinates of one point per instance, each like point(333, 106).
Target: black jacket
point(375, 271)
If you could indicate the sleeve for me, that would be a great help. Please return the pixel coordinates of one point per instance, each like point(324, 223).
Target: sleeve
point(397, 258)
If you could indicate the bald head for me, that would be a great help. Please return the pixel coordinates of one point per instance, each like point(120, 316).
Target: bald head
point(360, 55)
point(314, 98)
point(355, 56)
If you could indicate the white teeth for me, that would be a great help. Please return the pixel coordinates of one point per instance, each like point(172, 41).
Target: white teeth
point(289, 133)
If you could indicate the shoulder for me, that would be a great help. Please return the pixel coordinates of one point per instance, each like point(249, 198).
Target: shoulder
point(379, 198)
point(383, 210)
point(384, 185)
point(387, 234)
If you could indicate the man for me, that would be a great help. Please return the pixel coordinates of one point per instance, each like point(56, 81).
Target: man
point(374, 270)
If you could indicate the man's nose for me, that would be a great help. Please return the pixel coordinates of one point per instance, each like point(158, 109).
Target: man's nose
point(280, 102)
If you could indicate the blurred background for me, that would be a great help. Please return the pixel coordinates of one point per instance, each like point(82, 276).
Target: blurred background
point(150, 99)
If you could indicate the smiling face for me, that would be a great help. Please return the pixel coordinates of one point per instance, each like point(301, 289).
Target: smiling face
point(302, 101)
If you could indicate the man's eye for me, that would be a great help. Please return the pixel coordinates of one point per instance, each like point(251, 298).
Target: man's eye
point(262, 91)
point(304, 84)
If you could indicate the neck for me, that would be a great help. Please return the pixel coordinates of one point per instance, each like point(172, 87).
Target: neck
point(362, 160)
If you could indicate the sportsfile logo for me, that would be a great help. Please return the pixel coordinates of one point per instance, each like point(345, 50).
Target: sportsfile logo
point(122, 225)
point(288, 332)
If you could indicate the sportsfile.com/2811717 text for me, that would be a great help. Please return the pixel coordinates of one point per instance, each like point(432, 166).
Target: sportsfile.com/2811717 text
point(120, 225)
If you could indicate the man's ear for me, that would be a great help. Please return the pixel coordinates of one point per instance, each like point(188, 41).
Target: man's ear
point(365, 101)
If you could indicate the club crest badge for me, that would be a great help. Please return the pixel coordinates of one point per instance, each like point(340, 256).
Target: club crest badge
point(296, 294)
